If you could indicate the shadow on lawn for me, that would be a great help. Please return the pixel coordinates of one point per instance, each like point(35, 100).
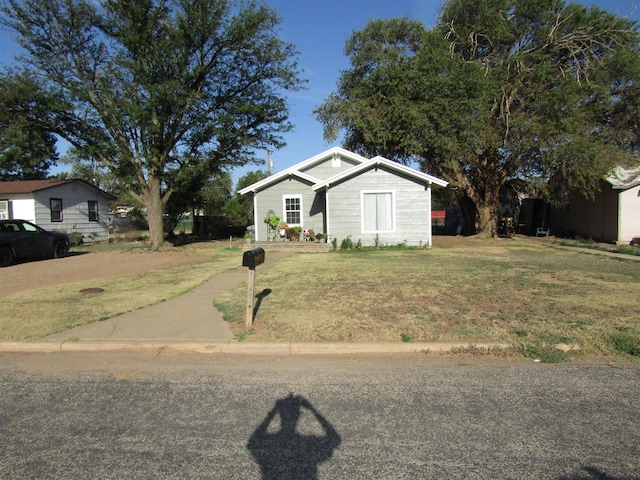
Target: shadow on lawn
point(260, 296)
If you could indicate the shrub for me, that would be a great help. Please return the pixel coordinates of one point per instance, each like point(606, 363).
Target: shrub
point(292, 233)
point(77, 237)
point(627, 343)
point(346, 244)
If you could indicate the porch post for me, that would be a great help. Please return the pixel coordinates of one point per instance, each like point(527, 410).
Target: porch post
point(326, 214)
point(429, 229)
point(255, 216)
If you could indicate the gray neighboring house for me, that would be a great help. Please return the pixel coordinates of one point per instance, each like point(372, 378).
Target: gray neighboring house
point(612, 216)
point(60, 205)
point(343, 194)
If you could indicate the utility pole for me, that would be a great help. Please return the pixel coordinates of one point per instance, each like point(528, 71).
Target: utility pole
point(269, 164)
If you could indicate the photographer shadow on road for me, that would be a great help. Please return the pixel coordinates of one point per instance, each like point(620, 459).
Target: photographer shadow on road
point(283, 452)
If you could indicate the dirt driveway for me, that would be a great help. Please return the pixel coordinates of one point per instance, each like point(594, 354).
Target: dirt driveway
point(87, 266)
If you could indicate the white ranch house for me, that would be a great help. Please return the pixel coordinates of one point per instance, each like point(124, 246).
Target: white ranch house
point(61, 205)
point(344, 194)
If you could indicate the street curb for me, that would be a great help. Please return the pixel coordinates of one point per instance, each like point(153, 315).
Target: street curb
point(239, 348)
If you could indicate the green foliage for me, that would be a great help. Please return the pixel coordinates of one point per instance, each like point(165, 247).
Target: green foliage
point(239, 208)
point(543, 353)
point(347, 243)
point(27, 150)
point(77, 238)
point(92, 171)
point(272, 220)
point(141, 84)
point(627, 342)
point(485, 98)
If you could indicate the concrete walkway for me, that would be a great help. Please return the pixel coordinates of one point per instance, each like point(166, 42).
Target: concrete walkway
point(188, 317)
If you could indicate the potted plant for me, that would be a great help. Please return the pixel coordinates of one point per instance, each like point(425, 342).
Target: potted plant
point(292, 233)
point(272, 220)
point(282, 229)
point(321, 237)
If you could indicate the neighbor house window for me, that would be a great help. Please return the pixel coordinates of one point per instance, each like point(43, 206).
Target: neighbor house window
point(4, 209)
point(93, 211)
point(378, 212)
point(56, 209)
point(293, 210)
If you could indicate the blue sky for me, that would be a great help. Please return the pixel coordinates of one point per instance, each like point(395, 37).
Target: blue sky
point(319, 29)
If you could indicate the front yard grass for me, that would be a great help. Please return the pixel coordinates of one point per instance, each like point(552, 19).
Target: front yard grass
point(527, 294)
point(37, 313)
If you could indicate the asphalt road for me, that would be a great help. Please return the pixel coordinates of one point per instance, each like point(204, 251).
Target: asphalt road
point(113, 416)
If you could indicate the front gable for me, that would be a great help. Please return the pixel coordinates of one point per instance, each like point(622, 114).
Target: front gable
point(332, 162)
point(313, 170)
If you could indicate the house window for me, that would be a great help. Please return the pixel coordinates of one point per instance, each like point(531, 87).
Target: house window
point(293, 210)
point(93, 210)
point(56, 209)
point(378, 212)
point(4, 209)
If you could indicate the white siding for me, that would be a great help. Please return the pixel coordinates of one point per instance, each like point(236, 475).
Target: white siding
point(629, 215)
point(23, 208)
point(411, 209)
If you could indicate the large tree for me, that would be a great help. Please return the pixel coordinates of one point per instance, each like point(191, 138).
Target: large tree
point(27, 149)
point(239, 208)
point(143, 83)
point(498, 92)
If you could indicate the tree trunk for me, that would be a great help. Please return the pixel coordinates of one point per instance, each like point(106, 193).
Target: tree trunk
point(487, 220)
point(152, 200)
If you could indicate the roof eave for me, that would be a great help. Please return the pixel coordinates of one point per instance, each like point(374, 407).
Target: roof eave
point(377, 162)
point(299, 166)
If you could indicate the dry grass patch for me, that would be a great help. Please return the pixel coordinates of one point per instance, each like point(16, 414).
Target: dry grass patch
point(497, 291)
point(45, 311)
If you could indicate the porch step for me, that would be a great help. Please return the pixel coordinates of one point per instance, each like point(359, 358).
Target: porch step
point(289, 246)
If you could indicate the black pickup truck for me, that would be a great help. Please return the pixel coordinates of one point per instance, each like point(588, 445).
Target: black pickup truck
point(20, 239)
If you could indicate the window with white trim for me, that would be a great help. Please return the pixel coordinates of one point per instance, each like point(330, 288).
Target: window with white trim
point(378, 212)
point(293, 210)
point(4, 209)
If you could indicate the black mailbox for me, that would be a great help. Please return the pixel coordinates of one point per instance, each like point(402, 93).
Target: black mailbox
point(253, 258)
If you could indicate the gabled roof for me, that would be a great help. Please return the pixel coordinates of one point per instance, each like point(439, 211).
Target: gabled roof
point(380, 162)
point(624, 178)
point(31, 186)
point(297, 169)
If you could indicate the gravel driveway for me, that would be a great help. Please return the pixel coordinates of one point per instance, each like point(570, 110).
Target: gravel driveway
point(87, 266)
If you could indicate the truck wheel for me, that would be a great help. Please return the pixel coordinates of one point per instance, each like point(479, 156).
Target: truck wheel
point(59, 250)
point(6, 256)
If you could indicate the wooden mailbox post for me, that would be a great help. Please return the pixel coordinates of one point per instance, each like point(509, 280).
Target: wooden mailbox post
point(252, 258)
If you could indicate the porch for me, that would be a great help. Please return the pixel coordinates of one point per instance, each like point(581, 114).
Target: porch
point(289, 246)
